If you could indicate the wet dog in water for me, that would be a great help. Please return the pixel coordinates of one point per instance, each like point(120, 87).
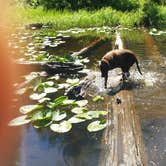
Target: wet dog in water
point(121, 58)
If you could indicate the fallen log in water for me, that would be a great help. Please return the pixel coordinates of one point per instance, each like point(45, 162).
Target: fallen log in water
point(80, 91)
point(122, 139)
point(88, 49)
point(58, 67)
point(49, 67)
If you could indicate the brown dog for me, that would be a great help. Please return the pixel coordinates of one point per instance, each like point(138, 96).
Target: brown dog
point(122, 58)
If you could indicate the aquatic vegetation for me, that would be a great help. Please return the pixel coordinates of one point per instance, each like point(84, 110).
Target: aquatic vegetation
point(57, 111)
point(98, 98)
point(156, 32)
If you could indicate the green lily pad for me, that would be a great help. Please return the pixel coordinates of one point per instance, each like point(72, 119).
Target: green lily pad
point(50, 90)
point(72, 81)
point(41, 124)
point(75, 119)
point(82, 103)
point(42, 115)
point(79, 110)
point(84, 116)
point(62, 86)
point(40, 87)
point(37, 96)
point(96, 126)
point(57, 102)
point(44, 100)
point(29, 108)
point(55, 77)
point(98, 98)
point(48, 83)
point(63, 127)
point(68, 102)
point(97, 114)
point(21, 120)
point(58, 115)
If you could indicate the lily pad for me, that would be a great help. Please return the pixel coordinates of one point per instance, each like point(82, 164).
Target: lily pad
point(21, 120)
point(37, 96)
point(79, 110)
point(72, 81)
point(62, 86)
point(42, 115)
point(55, 77)
point(75, 119)
point(68, 102)
point(58, 115)
point(96, 126)
point(43, 100)
point(82, 103)
point(98, 98)
point(50, 90)
point(63, 127)
point(57, 102)
point(41, 124)
point(29, 108)
point(97, 114)
point(48, 83)
point(84, 116)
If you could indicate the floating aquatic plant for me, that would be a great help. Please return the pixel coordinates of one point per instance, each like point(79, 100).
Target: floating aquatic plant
point(57, 112)
point(96, 126)
point(21, 120)
point(98, 98)
point(62, 127)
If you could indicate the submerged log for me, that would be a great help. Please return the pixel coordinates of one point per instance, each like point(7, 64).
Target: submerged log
point(151, 49)
point(122, 139)
point(80, 91)
point(49, 67)
point(88, 49)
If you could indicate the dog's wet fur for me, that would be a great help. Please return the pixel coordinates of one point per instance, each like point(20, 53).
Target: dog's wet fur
point(122, 58)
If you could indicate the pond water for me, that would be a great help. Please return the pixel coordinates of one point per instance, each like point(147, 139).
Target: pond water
point(79, 148)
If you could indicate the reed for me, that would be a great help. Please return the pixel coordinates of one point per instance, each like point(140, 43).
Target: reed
point(82, 18)
point(68, 19)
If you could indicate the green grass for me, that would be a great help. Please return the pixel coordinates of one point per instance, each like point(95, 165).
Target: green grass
point(83, 19)
point(68, 19)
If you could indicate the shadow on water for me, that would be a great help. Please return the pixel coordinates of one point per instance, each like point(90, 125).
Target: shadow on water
point(80, 148)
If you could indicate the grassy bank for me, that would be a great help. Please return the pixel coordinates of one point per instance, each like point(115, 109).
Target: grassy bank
point(83, 19)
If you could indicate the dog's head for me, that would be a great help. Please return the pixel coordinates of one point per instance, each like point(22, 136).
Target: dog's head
point(104, 67)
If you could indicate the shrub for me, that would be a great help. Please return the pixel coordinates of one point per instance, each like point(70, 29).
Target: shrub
point(154, 15)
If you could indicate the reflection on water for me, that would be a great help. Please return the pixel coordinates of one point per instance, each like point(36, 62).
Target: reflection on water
point(154, 131)
point(80, 148)
point(46, 148)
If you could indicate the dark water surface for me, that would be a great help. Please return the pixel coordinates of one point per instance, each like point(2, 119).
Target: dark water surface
point(79, 148)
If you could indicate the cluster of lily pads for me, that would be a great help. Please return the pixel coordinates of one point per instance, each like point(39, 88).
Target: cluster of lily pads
point(156, 32)
point(34, 46)
point(105, 30)
point(58, 113)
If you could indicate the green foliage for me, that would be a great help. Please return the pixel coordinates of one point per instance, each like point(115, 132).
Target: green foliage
point(160, 2)
point(93, 13)
point(154, 15)
point(124, 5)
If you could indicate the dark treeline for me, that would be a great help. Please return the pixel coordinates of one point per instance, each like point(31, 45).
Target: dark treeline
point(123, 5)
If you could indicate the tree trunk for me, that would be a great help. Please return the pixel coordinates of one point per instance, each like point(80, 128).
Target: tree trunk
point(88, 49)
point(122, 139)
